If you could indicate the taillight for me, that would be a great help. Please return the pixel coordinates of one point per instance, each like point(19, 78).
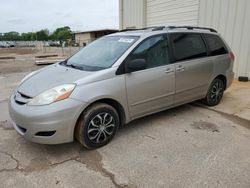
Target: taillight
point(232, 56)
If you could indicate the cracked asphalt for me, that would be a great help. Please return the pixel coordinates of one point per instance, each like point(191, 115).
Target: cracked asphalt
point(188, 146)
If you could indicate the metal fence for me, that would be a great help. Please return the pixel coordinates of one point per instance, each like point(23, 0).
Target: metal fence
point(60, 51)
point(41, 47)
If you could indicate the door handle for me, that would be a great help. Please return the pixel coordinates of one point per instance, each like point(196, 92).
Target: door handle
point(180, 68)
point(169, 70)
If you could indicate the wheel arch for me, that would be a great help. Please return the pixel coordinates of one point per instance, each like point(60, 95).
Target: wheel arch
point(223, 78)
point(112, 102)
point(116, 105)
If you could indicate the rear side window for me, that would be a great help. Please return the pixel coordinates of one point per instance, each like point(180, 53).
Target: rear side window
point(216, 45)
point(188, 46)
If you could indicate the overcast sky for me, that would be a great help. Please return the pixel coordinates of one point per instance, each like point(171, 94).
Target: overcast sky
point(33, 15)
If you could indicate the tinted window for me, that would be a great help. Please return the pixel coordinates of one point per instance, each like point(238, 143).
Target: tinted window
point(188, 46)
point(154, 50)
point(215, 45)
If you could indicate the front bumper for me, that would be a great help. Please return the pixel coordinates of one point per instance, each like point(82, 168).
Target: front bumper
point(49, 124)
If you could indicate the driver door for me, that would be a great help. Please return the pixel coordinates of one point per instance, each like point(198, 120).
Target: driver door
point(153, 88)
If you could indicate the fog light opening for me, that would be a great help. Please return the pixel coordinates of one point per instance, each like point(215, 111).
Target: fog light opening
point(46, 133)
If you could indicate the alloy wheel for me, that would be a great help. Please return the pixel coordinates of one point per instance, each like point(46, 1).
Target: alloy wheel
point(217, 92)
point(101, 128)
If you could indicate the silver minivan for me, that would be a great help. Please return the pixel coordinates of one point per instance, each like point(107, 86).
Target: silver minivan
point(119, 78)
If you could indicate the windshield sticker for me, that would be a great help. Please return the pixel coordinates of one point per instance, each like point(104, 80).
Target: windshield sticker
point(126, 40)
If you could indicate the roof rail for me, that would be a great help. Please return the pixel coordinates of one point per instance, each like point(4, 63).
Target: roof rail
point(158, 28)
point(154, 28)
point(192, 27)
point(133, 29)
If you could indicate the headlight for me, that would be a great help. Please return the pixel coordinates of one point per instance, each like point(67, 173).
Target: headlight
point(53, 95)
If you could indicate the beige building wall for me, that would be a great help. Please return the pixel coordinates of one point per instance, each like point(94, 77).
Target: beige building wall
point(232, 19)
point(167, 12)
point(132, 14)
point(84, 38)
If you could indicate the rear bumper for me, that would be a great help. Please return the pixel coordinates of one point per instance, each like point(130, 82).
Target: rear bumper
point(50, 124)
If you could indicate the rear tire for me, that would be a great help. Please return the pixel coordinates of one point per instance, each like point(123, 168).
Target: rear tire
point(215, 93)
point(97, 125)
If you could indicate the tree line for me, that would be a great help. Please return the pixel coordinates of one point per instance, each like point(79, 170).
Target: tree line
point(60, 34)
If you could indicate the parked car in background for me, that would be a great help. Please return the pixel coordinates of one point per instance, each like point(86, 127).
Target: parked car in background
point(11, 43)
point(46, 44)
point(2, 44)
point(75, 44)
point(119, 78)
point(52, 44)
point(7, 44)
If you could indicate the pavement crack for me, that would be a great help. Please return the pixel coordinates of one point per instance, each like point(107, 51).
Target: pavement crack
point(31, 168)
point(14, 159)
point(151, 137)
point(62, 162)
point(93, 161)
point(38, 164)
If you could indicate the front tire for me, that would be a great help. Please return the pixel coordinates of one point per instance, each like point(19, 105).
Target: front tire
point(97, 125)
point(215, 93)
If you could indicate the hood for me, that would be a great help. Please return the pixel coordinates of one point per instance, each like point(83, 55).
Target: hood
point(51, 77)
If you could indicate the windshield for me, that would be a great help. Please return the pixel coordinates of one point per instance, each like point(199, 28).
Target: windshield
point(102, 53)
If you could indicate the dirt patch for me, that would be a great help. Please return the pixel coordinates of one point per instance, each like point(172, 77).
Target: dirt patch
point(22, 59)
point(203, 125)
point(15, 66)
point(6, 125)
point(18, 51)
point(38, 164)
point(92, 159)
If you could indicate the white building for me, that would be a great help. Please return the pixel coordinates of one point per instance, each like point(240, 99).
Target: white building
point(231, 18)
point(83, 38)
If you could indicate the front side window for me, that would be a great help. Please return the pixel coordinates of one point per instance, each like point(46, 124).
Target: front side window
point(153, 50)
point(102, 53)
point(188, 46)
point(215, 45)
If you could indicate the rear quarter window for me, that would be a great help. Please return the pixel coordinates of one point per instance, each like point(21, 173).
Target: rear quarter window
point(216, 45)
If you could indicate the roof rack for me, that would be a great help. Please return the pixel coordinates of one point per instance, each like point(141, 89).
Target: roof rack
point(158, 28)
point(191, 28)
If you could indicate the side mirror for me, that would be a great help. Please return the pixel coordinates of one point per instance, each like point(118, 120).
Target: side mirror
point(135, 65)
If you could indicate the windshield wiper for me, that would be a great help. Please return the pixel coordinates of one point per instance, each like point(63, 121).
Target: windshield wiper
point(76, 66)
point(81, 67)
point(65, 63)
